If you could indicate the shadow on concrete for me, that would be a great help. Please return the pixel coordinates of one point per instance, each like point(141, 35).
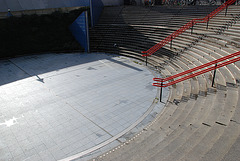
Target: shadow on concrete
point(34, 65)
point(15, 69)
point(126, 65)
point(121, 30)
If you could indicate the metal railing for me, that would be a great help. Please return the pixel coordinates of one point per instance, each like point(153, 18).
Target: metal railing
point(218, 63)
point(190, 24)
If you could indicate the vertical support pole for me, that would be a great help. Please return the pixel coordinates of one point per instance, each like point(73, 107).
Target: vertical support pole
point(91, 12)
point(160, 97)
point(146, 60)
point(207, 22)
point(192, 28)
point(226, 10)
point(214, 74)
point(171, 43)
point(87, 31)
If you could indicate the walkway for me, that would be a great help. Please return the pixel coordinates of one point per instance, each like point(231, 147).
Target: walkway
point(55, 106)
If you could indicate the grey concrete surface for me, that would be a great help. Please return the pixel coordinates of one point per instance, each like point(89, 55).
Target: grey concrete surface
point(56, 105)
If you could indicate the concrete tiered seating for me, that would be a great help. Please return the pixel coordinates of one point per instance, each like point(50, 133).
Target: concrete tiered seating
point(135, 23)
point(199, 122)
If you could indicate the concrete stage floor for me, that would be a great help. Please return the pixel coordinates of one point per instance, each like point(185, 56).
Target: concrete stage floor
point(67, 106)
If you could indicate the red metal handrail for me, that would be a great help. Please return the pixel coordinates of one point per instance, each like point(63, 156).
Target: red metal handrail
point(197, 68)
point(185, 27)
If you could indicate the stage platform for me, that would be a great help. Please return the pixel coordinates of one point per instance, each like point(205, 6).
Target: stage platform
point(72, 106)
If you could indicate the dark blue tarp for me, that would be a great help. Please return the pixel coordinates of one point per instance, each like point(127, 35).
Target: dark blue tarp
point(79, 30)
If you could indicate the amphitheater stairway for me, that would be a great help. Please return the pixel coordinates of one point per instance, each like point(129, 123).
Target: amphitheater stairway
point(199, 122)
point(192, 130)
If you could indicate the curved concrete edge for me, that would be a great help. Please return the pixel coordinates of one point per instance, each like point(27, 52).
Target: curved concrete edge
point(111, 139)
point(114, 138)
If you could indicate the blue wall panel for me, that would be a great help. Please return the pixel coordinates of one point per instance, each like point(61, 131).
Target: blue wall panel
point(79, 30)
point(79, 27)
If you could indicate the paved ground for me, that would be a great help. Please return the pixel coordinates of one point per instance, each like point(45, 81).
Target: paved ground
point(54, 106)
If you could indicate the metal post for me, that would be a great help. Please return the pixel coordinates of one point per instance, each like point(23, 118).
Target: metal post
point(192, 28)
point(161, 92)
point(214, 74)
point(87, 32)
point(146, 60)
point(171, 43)
point(207, 22)
point(226, 11)
point(91, 12)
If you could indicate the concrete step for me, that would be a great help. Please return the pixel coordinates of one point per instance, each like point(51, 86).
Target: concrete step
point(217, 107)
point(187, 84)
point(176, 134)
point(226, 114)
point(233, 153)
point(189, 137)
point(154, 138)
point(177, 95)
point(167, 126)
point(205, 143)
point(176, 137)
point(231, 132)
point(216, 129)
point(230, 79)
point(218, 53)
point(201, 80)
point(233, 135)
point(203, 57)
point(196, 130)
